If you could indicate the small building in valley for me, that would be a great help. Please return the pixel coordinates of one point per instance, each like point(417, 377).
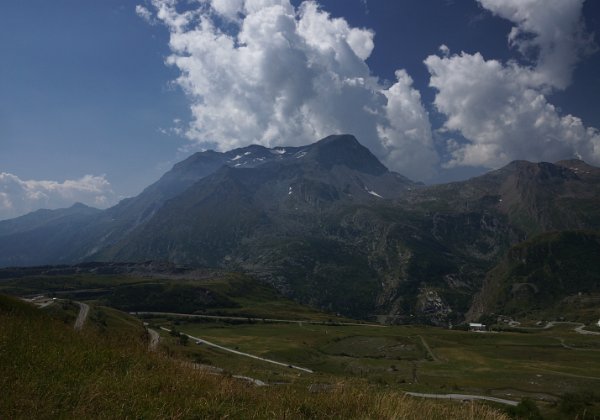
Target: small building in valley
point(475, 326)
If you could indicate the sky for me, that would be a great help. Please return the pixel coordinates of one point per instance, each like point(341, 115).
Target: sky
point(99, 98)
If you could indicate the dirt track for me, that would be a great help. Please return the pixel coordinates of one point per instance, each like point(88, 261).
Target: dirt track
point(154, 339)
point(84, 310)
point(463, 397)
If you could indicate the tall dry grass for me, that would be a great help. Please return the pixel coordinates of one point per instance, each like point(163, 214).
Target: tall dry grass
point(49, 371)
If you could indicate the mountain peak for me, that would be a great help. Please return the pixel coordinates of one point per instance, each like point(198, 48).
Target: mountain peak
point(571, 162)
point(79, 205)
point(345, 150)
point(545, 171)
point(339, 140)
point(538, 171)
point(576, 165)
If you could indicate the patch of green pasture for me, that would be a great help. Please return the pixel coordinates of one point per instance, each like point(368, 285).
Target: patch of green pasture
point(65, 310)
point(493, 363)
point(275, 308)
point(232, 294)
point(116, 322)
point(65, 283)
point(237, 365)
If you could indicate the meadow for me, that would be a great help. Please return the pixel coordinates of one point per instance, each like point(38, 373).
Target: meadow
point(48, 370)
point(543, 366)
point(556, 368)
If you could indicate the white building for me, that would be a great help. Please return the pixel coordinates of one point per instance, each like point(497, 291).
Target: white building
point(475, 326)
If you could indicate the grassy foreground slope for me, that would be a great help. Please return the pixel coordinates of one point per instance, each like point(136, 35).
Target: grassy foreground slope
point(49, 370)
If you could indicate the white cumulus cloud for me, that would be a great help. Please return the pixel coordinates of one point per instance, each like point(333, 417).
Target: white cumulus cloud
point(551, 32)
point(502, 109)
point(280, 75)
point(228, 8)
point(18, 196)
point(144, 13)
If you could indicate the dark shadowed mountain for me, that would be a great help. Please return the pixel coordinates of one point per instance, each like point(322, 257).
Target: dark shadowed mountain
point(326, 223)
point(553, 275)
point(95, 230)
point(45, 236)
point(41, 218)
point(535, 196)
point(462, 229)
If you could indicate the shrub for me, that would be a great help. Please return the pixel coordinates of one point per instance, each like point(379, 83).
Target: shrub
point(526, 409)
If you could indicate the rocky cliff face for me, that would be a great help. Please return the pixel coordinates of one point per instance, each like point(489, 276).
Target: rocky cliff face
point(549, 276)
point(463, 229)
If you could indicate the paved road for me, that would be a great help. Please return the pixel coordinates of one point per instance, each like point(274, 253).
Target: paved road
point(84, 310)
point(581, 330)
point(154, 339)
point(241, 318)
point(40, 301)
point(239, 353)
point(463, 397)
point(46, 304)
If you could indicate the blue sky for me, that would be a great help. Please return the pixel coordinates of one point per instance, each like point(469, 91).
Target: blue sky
point(90, 111)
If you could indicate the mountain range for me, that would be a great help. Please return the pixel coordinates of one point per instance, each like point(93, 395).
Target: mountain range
point(329, 225)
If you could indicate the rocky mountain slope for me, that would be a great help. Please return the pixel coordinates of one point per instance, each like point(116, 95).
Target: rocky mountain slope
point(550, 276)
point(474, 223)
point(277, 220)
point(327, 224)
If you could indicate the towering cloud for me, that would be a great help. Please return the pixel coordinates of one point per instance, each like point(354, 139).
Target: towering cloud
point(501, 109)
point(19, 196)
point(262, 71)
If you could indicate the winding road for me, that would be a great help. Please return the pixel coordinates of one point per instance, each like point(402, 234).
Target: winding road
point(581, 330)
